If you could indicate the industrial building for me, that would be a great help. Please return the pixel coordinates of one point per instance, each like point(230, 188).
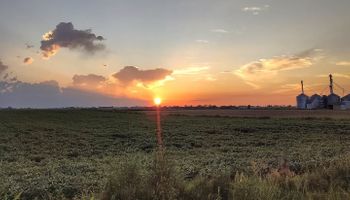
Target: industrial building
point(316, 101)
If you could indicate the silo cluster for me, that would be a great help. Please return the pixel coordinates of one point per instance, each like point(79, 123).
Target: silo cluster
point(331, 101)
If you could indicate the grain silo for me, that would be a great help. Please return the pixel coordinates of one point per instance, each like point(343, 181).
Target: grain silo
point(346, 98)
point(332, 99)
point(315, 102)
point(302, 99)
point(345, 102)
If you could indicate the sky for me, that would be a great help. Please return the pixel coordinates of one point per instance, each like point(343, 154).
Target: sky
point(186, 52)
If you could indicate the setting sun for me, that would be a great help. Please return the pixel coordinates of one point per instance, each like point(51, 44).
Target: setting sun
point(157, 101)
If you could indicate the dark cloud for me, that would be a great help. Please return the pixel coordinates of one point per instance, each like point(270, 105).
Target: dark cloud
point(29, 46)
point(3, 67)
point(6, 76)
point(88, 80)
point(65, 36)
point(130, 73)
point(49, 94)
point(28, 60)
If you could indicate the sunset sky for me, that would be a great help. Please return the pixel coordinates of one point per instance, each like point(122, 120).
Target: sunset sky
point(187, 52)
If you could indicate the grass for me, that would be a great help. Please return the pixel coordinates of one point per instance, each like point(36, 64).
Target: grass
point(84, 154)
point(132, 181)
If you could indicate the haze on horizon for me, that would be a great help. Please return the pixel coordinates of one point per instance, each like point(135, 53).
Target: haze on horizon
point(187, 52)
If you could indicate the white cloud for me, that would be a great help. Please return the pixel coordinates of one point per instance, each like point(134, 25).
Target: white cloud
point(219, 30)
point(260, 72)
point(190, 70)
point(343, 63)
point(255, 10)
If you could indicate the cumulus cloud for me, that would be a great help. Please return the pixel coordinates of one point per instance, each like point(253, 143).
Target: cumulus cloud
point(255, 10)
point(28, 60)
point(130, 74)
point(66, 36)
point(343, 63)
point(3, 67)
point(266, 69)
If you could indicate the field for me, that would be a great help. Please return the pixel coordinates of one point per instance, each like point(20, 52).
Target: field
point(55, 154)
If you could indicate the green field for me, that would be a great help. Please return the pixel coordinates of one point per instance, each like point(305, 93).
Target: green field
point(65, 153)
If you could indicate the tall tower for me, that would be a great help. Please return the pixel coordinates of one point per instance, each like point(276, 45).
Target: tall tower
point(331, 84)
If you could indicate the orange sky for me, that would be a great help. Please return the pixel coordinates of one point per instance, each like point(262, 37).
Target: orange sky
point(185, 52)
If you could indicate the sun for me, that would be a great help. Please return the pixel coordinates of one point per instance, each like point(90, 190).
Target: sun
point(157, 101)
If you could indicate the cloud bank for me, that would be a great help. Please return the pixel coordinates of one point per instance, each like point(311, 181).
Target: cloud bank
point(49, 94)
point(66, 36)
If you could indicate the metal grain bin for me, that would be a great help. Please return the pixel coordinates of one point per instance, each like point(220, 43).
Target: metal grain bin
point(333, 100)
point(346, 98)
point(302, 101)
point(315, 101)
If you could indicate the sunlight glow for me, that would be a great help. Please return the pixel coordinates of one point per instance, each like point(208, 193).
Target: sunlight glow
point(157, 101)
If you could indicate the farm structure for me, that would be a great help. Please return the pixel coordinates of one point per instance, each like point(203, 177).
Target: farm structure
point(316, 101)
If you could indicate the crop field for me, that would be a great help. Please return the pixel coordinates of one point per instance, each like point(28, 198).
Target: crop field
point(57, 154)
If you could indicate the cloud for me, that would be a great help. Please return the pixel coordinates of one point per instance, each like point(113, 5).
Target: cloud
point(88, 80)
point(275, 64)
point(6, 76)
point(65, 36)
point(219, 30)
point(28, 60)
point(210, 78)
point(3, 67)
point(202, 41)
point(190, 71)
point(263, 70)
point(291, 88)
point(29, 46)
point(343, 63)
point(130, 74)
point(339, 75)
point(255, 10)
point(49, 94)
